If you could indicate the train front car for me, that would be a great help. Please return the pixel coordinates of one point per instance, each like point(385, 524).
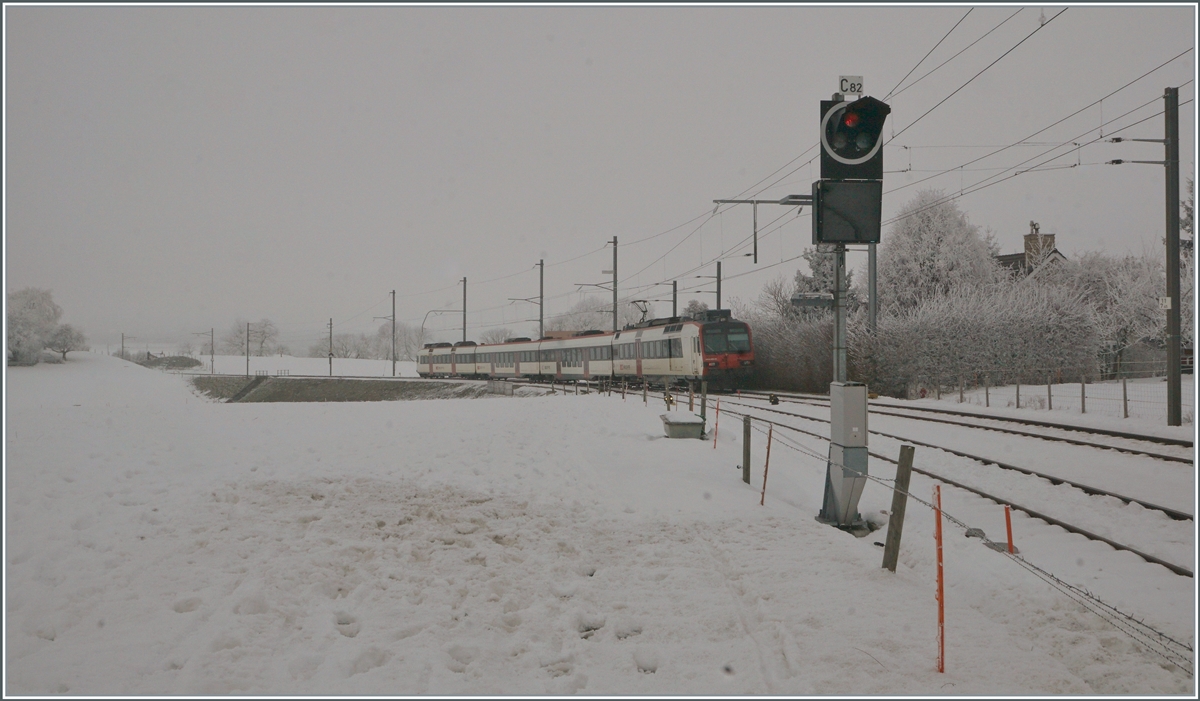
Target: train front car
point(727, 354)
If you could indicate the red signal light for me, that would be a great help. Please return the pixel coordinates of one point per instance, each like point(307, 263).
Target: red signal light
point(851, 119)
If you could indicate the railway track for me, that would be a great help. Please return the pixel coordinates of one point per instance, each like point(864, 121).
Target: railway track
point(1089, 490)
point(888, 410)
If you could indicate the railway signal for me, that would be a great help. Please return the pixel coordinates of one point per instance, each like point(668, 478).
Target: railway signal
point(851, 143)
point(847, 208)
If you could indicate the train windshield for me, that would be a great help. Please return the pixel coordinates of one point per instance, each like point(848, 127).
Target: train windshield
point(726, 338)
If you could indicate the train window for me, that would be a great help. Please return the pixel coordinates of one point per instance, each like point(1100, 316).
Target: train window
point(739, 340)
point(676, 347)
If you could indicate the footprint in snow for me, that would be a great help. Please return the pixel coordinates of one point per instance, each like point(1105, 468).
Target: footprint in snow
point(346, 624)
point(646, 660)
point(187, 605)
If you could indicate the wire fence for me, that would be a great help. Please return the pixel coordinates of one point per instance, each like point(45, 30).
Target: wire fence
point(1155, 641)
point(1139, 392)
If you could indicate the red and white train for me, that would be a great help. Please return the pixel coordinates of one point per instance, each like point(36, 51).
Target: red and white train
point(677, 350)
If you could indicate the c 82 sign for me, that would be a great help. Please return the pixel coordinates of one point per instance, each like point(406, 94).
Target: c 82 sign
point(850, 84)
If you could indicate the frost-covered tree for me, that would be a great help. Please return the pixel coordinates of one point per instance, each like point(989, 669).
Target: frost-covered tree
point(695, 308)
point(1123, 292)
point(1187, 295)
point(932, 249)
point(32, 319)
point(821, 277)
point(1009, 332)
point(65, 339)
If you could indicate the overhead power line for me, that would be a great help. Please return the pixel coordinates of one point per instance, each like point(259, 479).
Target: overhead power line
point(1051, 126)
point(972, 78)
point(982, 186)
point(1002, 23)
point(939, 43)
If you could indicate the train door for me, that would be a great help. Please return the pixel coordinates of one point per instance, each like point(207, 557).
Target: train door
point(637, 349)
point(677, 364)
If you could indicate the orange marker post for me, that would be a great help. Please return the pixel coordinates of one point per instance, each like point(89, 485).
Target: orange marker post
point(1008, 525)
point(717, 423)
point(770, 432)
point(941, 591)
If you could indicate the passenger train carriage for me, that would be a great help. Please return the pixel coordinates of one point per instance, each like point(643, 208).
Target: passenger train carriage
point(677, 350)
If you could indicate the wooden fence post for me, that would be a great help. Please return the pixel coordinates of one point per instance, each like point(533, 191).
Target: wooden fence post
point(766, 465)
point(891, 549)
point(941, 589)
point(960, 389)
point(1008, 527)
point(1082, 395)
point(1124, 399)
point(1018, 395)
point(987, 380)
point(717, 423)
point(1049, 397)
point(746, 449)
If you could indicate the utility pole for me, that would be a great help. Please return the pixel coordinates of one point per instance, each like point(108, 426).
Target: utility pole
point(123, 337)
point(839, 314)
point(872, 304)
point(718, 285)
point(1170, 142)
point(331, 347)
point(393, 333)
point(211, 352)
point(247, 349)
point(674, 298)
point(614, 284)
point(1171, 111)
point(464, 309)
point(541, 298)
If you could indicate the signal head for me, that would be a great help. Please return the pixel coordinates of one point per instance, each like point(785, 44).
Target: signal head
point(850, 139)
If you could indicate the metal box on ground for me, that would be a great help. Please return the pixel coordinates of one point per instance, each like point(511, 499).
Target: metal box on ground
point(683, 425)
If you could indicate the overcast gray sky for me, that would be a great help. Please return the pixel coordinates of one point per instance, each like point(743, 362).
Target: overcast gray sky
point(170, 169)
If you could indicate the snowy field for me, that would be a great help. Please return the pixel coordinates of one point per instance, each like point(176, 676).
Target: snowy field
point(160, 543)
point(290, 365)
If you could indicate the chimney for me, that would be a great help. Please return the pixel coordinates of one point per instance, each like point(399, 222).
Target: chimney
point(1037, 244)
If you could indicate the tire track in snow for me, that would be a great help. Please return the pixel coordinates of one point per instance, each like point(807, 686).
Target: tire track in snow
point(737, 591)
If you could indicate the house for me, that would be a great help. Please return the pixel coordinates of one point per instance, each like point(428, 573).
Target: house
point(1039, 249)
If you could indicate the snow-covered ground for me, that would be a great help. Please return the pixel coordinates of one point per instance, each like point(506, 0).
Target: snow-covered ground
point(160, 543)
point(290, 365)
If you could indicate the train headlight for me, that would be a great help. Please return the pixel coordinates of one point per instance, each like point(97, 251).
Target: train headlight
point(747, 362)
point(712, 363)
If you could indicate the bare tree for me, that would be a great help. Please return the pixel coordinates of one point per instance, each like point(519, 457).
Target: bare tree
point(263, 334)
point(495, 335)
point(65, 339)
point(595, 313)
